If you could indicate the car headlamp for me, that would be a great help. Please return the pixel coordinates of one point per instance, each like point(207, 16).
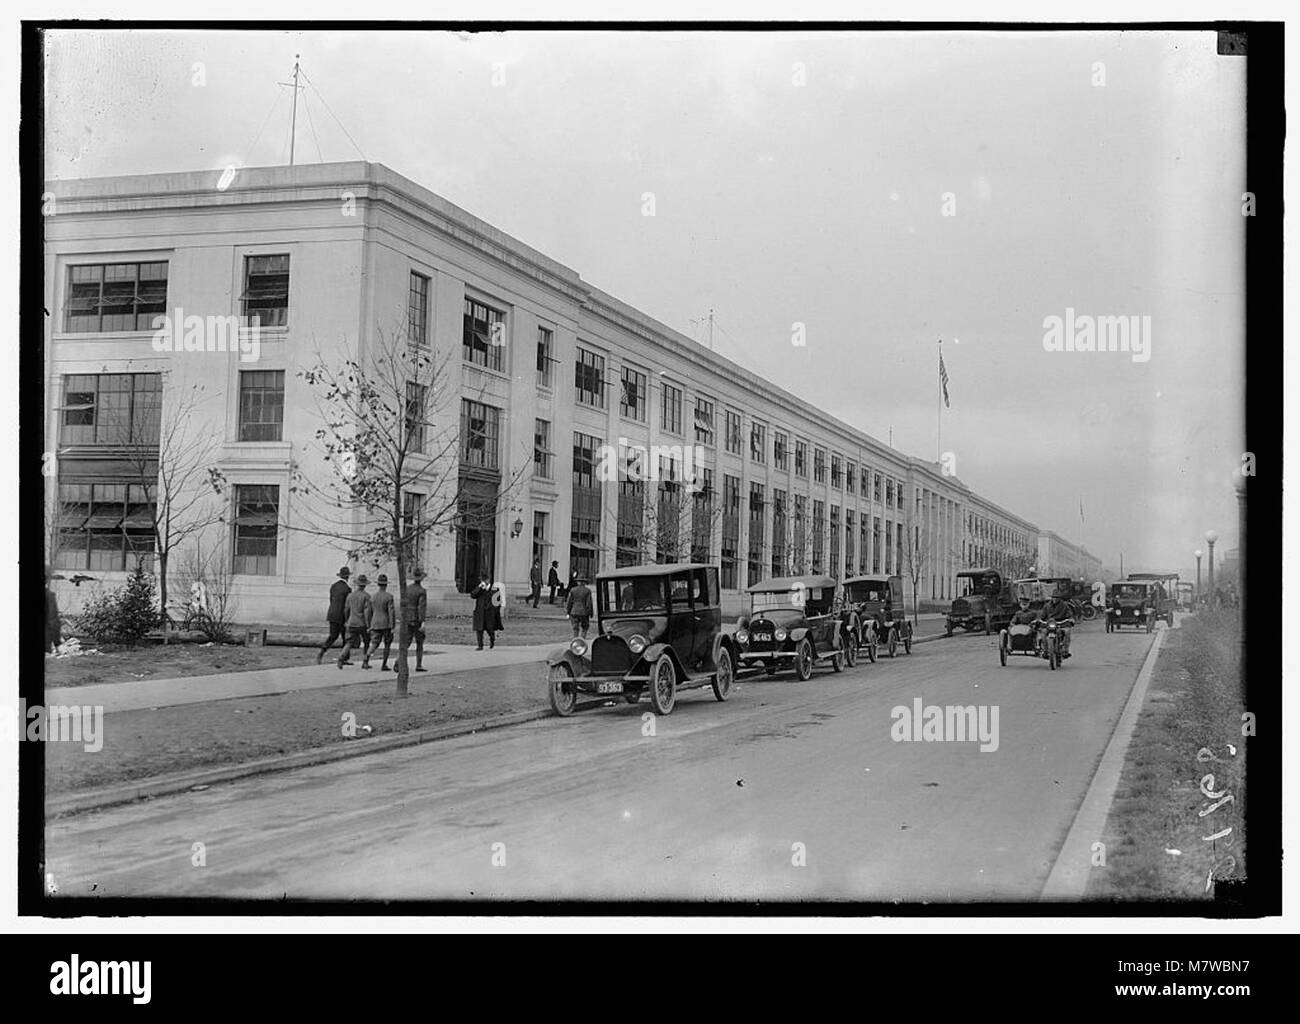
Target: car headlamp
point(780, 634)
point(742, 636)
point(578, 646)
point(637, 644)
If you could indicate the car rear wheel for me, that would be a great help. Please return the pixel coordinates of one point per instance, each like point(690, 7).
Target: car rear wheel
point(871, 648)
point(663, 686)
point(1089, 612)
point(561, 689)
point(722, 679)
point(850, 649)
point(837, 661)
point(803, 660)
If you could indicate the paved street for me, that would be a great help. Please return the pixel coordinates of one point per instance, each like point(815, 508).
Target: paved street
point(711, 807)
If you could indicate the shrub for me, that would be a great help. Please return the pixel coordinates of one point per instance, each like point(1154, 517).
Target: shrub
point(122, 616)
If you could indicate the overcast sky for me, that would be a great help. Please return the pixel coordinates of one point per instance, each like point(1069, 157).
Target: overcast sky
point(820, 203)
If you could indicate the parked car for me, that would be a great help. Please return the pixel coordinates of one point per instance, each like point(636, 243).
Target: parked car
point(865, 598)
point(881, 612)
point(984, 601)
point(658, 632)
point(1133, 603)
point(1186, 595)
point(792, 622)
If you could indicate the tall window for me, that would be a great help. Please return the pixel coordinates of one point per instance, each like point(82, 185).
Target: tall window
point(543, 457)
point(835, 542)
point(755, 533)
point(889, 546)
point(480, 429)
point(836, 478)
point(799, 546)
point(632, 402)
point(818, 535)
point(733, 432)
point(758, 442)
point(257, 517)
point(484, 337)
point(849, 539)
point(780, 450)
point(111, 409)
point(668, 517)
point(864, 547)
point(266, 290)
point(730, 531)
point(542, 540)
point(417, 310)
point(898, 548)
point(412, 526)
point(778, 532)
point(819, 466)
point(850, 477)
point(631, 513)
point(875, 543)
point(876, 494)
point(865, 483)
point(889, 492)
point(704, 421)
point(584, 533)
point(107, 527)
point(671, 408)
point(702, 520)
point(589, 378)
point(545, 356)
point(261, 405)
point(801, 458)
point(416, 415)
point(106, 297)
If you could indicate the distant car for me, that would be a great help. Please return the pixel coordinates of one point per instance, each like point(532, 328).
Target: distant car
point(792, 622)
point(984, 601)
point(658, 632)
point(1166, 591)
point(1133, 603)
point(880, 609)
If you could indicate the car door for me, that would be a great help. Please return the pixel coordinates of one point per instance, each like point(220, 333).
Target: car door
point(681, 617)
point(707, 615)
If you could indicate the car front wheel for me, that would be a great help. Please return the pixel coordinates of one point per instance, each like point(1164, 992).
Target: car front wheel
point(561, 689)
point(850, 649)
point(663, 686)
point(722, 678)
point(803, 660)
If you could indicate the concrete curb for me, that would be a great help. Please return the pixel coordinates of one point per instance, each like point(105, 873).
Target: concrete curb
point(1069, 876)
point(162, 785)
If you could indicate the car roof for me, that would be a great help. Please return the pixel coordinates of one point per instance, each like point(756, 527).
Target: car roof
point(979, 572)
point(653, 569)
point(778, 584)
point(871, 578)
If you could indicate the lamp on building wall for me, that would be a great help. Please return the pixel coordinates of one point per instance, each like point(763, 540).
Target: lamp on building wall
point(517, 527)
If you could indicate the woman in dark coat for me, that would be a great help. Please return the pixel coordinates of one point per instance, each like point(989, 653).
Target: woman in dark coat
point(487, 616)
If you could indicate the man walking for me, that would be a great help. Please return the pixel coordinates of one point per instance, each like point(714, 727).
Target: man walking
point(487, 616)
point(535, 581)
point(359, 612)
point(578, 606)
point(337, 613)
point(53, 625)
point(553, 580)
point(414, 606)
point(382, 620)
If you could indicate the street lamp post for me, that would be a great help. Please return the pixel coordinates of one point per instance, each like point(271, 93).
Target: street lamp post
point(1197, 553)
point(1210, 538)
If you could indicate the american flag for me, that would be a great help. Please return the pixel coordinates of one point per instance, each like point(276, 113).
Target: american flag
point(943, 378)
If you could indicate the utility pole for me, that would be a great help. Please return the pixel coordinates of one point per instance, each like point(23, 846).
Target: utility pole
point(293, 117)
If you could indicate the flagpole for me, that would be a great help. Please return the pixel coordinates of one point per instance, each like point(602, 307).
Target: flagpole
point(938, 414)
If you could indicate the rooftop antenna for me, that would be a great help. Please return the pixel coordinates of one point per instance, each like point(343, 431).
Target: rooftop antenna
point(293, 117)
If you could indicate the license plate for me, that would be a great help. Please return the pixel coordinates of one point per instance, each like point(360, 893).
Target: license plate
point(609, 687)
point(762, 636)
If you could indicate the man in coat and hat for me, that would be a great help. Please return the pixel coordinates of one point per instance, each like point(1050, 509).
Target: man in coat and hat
point(359, 612)
point(414, 609)
point(382, 620)
point(337, 613)
point(487, 616)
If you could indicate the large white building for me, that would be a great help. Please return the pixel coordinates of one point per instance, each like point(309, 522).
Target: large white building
point(547, 370)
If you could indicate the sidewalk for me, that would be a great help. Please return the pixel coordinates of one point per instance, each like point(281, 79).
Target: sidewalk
point(440, 659)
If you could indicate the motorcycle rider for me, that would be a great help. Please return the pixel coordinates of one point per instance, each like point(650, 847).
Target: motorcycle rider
point(1057, 610)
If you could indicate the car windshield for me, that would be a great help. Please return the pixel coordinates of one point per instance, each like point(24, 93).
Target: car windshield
point(1130, 590)
point(633, 594)
point(973, 585)
point(867, 592)
point(776, 601)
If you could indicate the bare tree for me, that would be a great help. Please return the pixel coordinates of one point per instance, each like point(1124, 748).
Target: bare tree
point(916, 559)
point(178, 477)
point(395, 448)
